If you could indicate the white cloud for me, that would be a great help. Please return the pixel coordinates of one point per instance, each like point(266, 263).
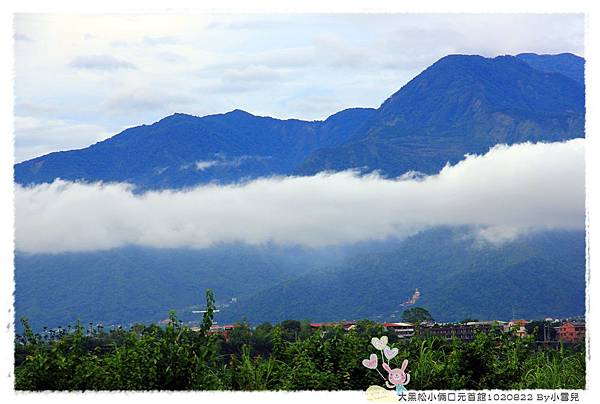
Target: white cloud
point(240, 80)
point(204, 165)
point(246, 25)
point(100, 62)
point(138, 99)
point(508, 191)
point(340, 53)
point(251, 73)
point(22, 37)
point(149, 41)
point(224, 161)
point(37, 136)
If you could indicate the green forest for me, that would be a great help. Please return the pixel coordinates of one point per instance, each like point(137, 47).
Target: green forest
point(286, 356)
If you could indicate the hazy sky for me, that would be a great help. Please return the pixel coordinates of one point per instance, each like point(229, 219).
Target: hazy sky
point(82, 78)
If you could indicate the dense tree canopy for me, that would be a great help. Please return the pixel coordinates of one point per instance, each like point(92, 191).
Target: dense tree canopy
point(286, 356)
point(416, 315)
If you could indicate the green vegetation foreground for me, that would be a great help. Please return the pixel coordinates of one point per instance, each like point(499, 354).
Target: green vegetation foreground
point(288, 356)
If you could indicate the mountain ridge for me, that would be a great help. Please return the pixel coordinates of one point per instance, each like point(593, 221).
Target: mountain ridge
point(461, 104)
point(456, 106)
point(452, 271)
point(368, 280)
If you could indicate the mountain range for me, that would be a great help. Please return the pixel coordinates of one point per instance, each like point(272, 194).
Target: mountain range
point(536, 276)
point(457, 276)
point(461, 104)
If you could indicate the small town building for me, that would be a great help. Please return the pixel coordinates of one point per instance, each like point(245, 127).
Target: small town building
point(223, 330)
point(571, 331)
point(517, 327)
point(346, 325)
point(402, 330)
point(463, 331)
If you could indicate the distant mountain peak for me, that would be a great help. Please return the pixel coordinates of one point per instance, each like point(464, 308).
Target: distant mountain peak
point(567, 64)
point(238, 112)
point(177, 116)
point(345, 112)
point(563, 54)
point(453, 57)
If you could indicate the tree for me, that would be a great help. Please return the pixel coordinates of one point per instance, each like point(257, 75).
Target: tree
point(208, 317)
point(370, 329)
point(264, 329)
point(291, 325)
point(241, 335)
point(291, 329)
point(536, 328)
point(416, 315)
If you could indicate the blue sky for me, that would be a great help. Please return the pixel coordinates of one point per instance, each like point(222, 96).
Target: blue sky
point(82, 78)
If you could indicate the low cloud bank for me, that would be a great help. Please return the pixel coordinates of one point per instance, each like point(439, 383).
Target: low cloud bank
point(502, 194)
